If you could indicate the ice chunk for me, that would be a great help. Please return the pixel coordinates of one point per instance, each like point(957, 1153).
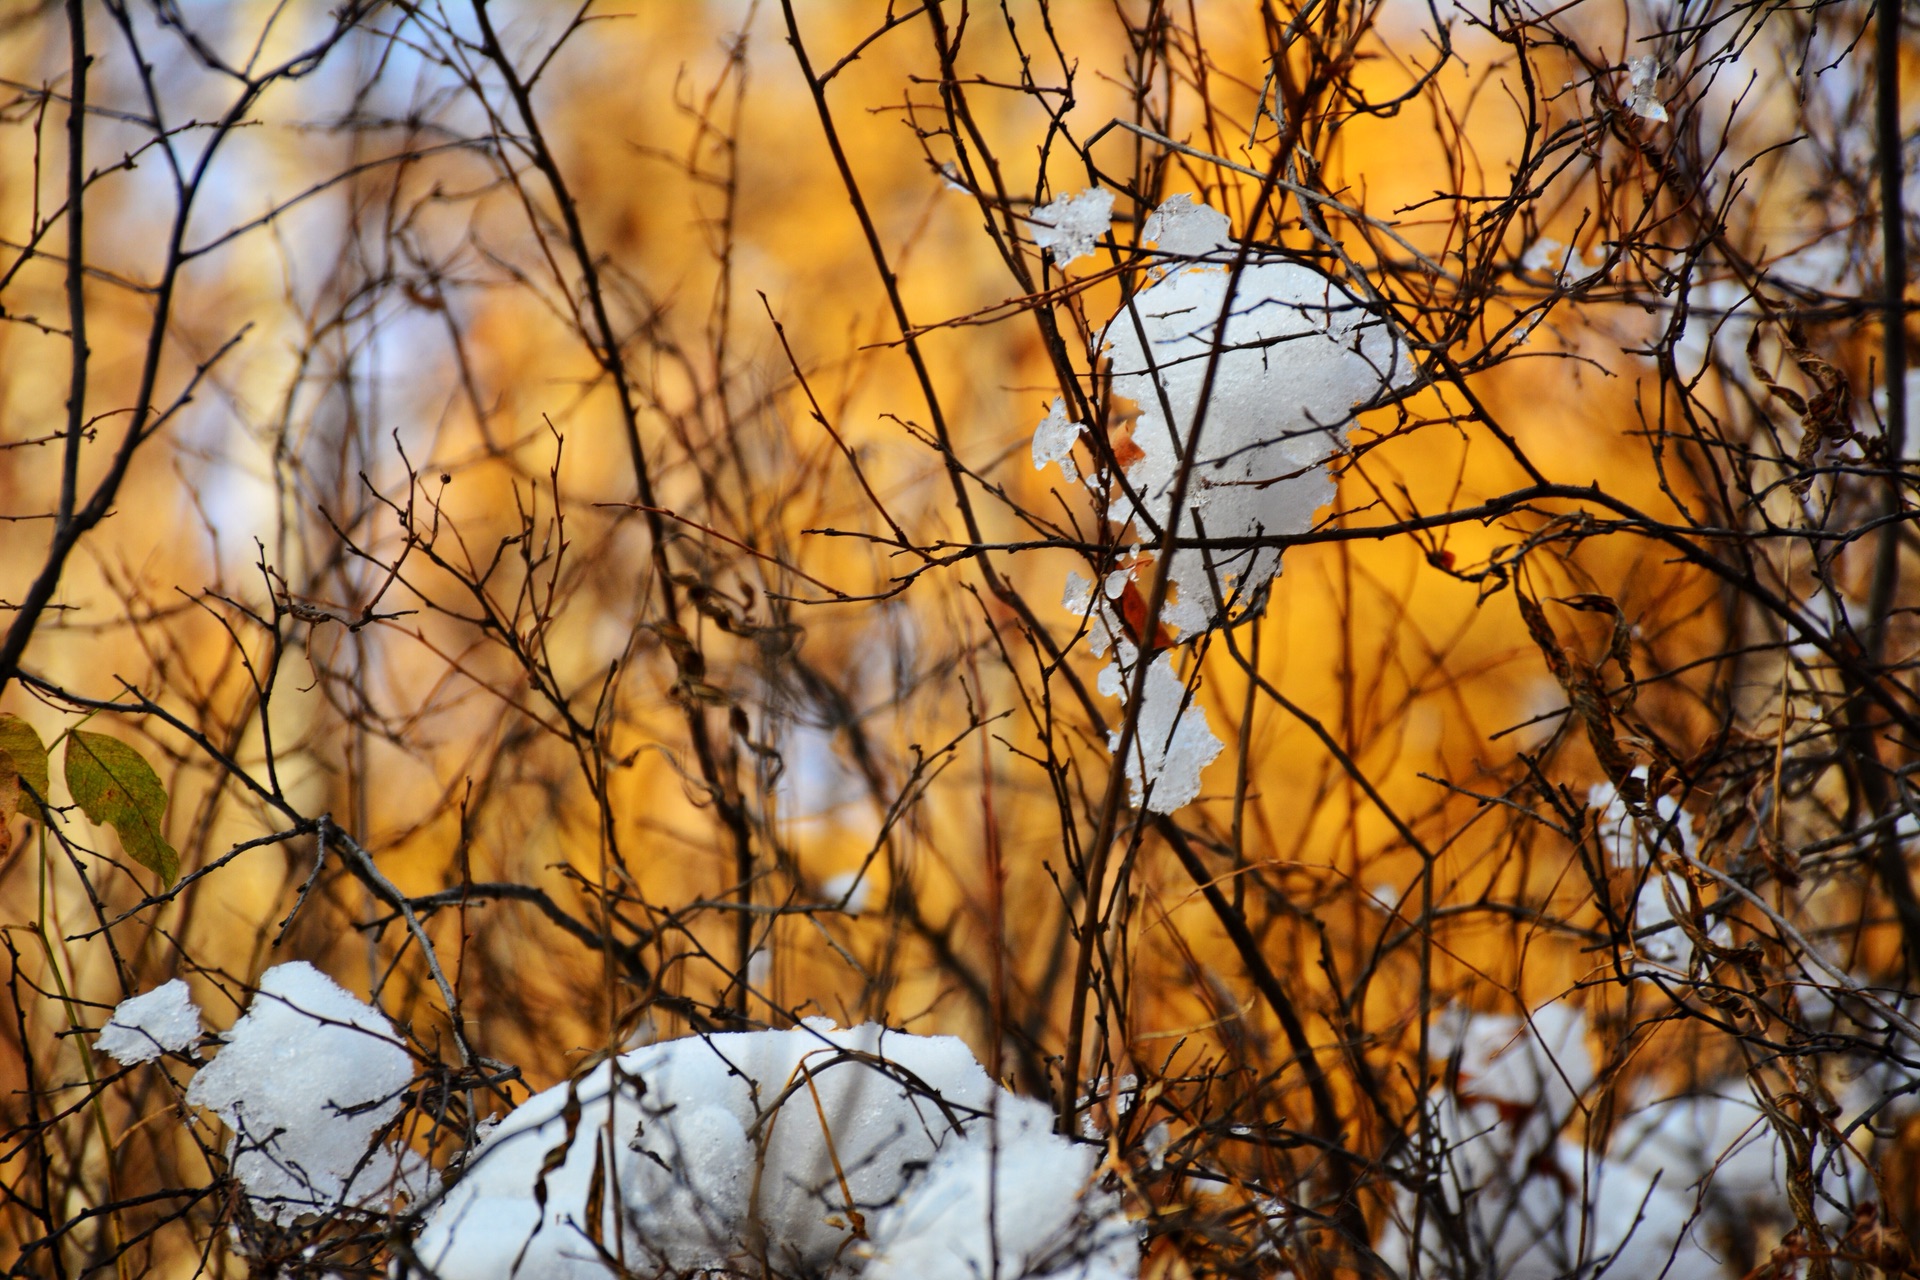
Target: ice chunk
point(1172, 744)
point(1071, 224)
point(1643, 98)
point(305, 1079)
point(164, 1020)
point(1297, 354)
point(1184, 226)
point(1053, 441)
point(708, 1152)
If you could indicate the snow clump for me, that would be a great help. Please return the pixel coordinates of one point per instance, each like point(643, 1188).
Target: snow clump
point(164, 1020)
point(1297, 354)
point(1070, 226)
point(1172, 743)
point(1565, 262)
point(812, 1151)
point(851, 891)
point(1643, 96)
point(977, 1201)
point(305, 1079)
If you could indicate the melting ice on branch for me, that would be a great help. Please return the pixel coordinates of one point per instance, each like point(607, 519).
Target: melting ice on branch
point(1070, 226)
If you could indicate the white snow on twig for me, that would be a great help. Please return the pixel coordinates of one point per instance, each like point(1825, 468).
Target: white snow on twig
point(1297, 354)
point(164, 1020)
point(849, 890)
point(1675, 1180)
point(1634, 843)
point(1184, 227)
point(1284, 356)
point(1172, 744)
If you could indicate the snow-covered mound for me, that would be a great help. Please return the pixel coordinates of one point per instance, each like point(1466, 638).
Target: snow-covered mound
point(1679, 1184)
point(811, 1151)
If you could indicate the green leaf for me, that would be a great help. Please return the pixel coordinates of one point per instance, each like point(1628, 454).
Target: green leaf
point(113, 783)
point(18, 740)
point(10, 795)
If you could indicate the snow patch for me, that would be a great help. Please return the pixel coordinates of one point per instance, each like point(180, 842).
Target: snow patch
point(849, 890)
point(1564, 261)
point(1006, 1189)
point(1643, 98)
point(1297, 354)
point(1679, 1176)
point(1184, 227)
point(1640, 845)
point(1284, 355)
